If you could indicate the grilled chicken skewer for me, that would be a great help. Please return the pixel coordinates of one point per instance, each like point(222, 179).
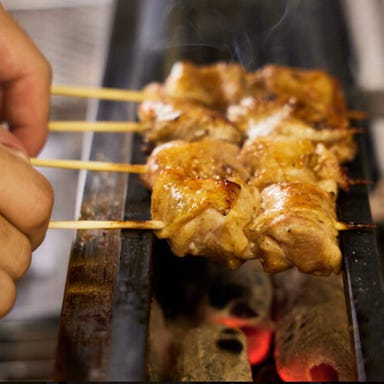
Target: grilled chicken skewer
point(198, 200)
point(295, 134)
point(206, 201)
point(250, 167)
point(275, 97)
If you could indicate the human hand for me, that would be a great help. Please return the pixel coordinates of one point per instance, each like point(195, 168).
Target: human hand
point(26, 197)
point(25, 79)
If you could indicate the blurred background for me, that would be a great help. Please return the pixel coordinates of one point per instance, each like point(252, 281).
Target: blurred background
point(74, 36)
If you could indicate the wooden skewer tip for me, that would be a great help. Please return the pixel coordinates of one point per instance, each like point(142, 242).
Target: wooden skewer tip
point(89, 165)
point(99, 93)
point(360, 182)
point(354, 226)
point(96, 126)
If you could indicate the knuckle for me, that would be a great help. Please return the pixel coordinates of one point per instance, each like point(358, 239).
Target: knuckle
point(15, 252)
point(22, 260)
point(43, 201)
point(8, 293)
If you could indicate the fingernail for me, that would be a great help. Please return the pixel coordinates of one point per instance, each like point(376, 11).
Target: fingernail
point(15, 150)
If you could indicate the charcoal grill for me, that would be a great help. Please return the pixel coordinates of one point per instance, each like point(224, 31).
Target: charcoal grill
point(104, 321)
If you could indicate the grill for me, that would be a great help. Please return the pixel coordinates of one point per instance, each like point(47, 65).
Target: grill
point(112, 275)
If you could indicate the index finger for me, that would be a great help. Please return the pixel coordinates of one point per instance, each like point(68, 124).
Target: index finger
point(25, 79)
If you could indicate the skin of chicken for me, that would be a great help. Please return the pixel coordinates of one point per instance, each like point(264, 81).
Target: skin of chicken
point(185, 119)
point(260, 118)
point(205, 216)
point(276, 159)
point(318, 96)
point(297, 227)
point(215, 85)
point(206, 158)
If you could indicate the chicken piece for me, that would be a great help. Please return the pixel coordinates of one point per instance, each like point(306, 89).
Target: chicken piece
point(205, 158)
point(174, 119)
point(258, 118)
point(318, 97)
point(296, 227)
point(215, 85)
point(205, 216)
point(279, 159)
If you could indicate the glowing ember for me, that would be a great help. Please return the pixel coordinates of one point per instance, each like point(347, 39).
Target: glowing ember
point(258, 339)
point(323, 372)
point(258, 343)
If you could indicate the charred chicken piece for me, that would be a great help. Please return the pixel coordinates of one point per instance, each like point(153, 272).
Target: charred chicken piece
point(207, 158)
point(205, 216)
point(296, 227)
point(277, 159)
point(184, 119)
point(259, 118)
point(215, 85)
point(317, 96)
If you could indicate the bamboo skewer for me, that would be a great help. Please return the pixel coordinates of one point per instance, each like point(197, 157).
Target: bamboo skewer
point(119, 167)
point(96, 126)
point(360, 182)
point(157, 224)
point(99, 93)
point(106, 224)
point(354, 226)
point(89, 165)
point(357, 115)
point(118, 94)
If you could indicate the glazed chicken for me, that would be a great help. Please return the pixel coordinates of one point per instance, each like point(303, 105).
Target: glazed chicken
point(296, 227)
point(276, 159)
point(215, 85)
point(184, 119)
point(259, 118)
point(317, 97)
point(207, 194)
point(224, 101)
point(207, 158)
point(286, 225)
point(205, 216)
point(261, 162)
point(247, 165)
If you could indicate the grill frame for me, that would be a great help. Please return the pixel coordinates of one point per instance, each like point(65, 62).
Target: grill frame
point(119, 263)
